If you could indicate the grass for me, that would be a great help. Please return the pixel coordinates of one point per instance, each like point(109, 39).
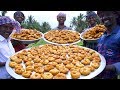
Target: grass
point(80, 43)
point(42, 42)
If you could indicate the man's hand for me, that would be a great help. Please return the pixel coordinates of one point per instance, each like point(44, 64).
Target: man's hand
point(110, 68)
point(2, 63)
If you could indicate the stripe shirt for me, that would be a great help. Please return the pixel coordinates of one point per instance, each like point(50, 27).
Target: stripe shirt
point(6, 49)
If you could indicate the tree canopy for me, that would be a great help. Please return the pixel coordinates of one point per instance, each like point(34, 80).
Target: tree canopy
point(79, 23)
point(31, 23)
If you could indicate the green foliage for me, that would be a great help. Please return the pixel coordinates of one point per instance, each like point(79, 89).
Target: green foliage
point(31, 23)
point(45, 27)
point(3, 13)
point(80, 43)
point(79, 23)
point(40, 42)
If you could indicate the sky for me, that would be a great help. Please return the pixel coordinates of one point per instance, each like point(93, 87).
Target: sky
point(49, 16)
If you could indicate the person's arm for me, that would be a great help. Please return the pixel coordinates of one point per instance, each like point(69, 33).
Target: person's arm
point(117, 66)
point(110, 68)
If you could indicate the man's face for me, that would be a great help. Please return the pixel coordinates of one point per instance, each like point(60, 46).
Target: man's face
point(91, 20)
point(6, 30)
point(108, 19)
point(19, 17)
point(61, 19)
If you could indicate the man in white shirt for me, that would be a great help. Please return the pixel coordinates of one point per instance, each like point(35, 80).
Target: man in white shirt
point(6, 49)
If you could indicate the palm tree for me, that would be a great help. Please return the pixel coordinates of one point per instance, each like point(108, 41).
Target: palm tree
point(3, 13)
point(30, 19)
point(31, 23)
point(45, 27)
point(73, 22)
point(79, 23)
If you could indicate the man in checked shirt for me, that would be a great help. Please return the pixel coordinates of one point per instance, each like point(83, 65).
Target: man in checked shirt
point(109, 45)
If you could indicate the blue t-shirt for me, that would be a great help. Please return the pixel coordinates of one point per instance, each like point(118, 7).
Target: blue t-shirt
point(109, 47)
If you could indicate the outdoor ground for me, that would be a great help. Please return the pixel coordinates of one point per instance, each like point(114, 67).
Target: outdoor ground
point(42, 42)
